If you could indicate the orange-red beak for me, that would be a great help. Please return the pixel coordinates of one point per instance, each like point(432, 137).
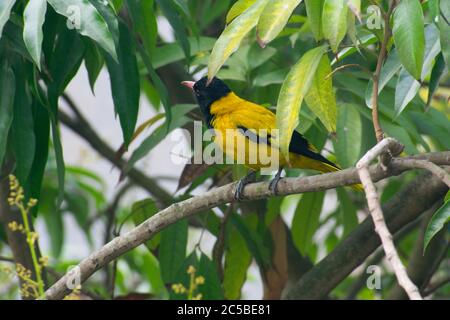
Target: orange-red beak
point(188, 84)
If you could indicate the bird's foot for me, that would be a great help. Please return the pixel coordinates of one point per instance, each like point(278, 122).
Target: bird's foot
point(273, 185)
point(249, 178)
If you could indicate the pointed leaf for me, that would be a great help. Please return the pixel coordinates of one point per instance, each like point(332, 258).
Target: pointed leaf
point(320, 98)
point(438, 72)
point(33, 18)
point(294, 89)
point(85, 18)
point(306, 220)
point(334, 22)
point(409, 35)
point(440, 218)
point(231, 37)
point(314, 10)
point(274, 18)
point(349, 135)
point(7, 89)
point(125, 84)
point(5, 11)
point(238, 8)
point(172, 250)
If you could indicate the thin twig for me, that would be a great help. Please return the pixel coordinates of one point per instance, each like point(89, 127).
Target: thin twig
point(433, 287)
point(381, 228)
point(376, 76)
point(433, 168)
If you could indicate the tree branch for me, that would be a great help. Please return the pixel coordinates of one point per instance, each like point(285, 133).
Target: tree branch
point(376, 212)
point(218, 196)
point(405, 207)
point(376, 76)
point(82, 127)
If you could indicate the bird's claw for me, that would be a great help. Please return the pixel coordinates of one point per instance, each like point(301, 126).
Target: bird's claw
point(239, 192)
point(273, 185)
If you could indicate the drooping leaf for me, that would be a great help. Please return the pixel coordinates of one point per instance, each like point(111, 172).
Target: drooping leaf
point(444, 30)
point(355, 8)
point(231, 37)
point(237, 261)
point(125, 84)
point(294, 89)
point(439, 220)
point(33, 18)
point(5, 11)
point(320, 98)
point(407, 86)
point(141, 211)
point(7, 89)
point(273, 19)
point(144, 21)
point(409, 35)
point(169, 8)
point(348, 211)
point(84, 17)
point(22, 131)
point(406, 89)
point(438, 72)
point(238, 7)
point(314, 10)
point(211, 289)
point(306, 220)
point(172, 250)
point(93, 61)
point(334, 22)
point(349, 134)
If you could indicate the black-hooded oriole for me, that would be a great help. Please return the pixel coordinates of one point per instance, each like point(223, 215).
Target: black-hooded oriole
point(224, 110)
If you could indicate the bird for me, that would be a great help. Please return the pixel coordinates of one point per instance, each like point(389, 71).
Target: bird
point(223, 110)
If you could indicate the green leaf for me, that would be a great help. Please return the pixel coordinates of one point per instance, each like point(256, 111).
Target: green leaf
point(273, 19)
point(334, 22)
point(407, 86)
point(237, 261)
point(66, 60)
point(5, 11)
point(169, 8)
point(144, 21)
point(438, 72)
point(7, 89)
point(294, 89)
point(159, 134)
point(238, 8)
point(93, 61)
point(172, 250)
point(22, 131)
point(306, 220)
point(53, 220)
point(444, 30)
point(320, 98)
point(84, 17)
point(211, 289)
point(439, 220)
point(409, 35)
point(141, 211)
point(172, 52)
point(33, 18)
point(349, 134)
point(314, 10)
point(231, 37)
point(388, 71)
point(41, 131)
point(125, 84)
point(348, 211)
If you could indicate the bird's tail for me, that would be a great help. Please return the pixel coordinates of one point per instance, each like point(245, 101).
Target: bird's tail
point(321, 164)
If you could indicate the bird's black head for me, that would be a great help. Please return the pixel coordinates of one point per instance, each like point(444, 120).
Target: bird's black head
point(207, 93)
